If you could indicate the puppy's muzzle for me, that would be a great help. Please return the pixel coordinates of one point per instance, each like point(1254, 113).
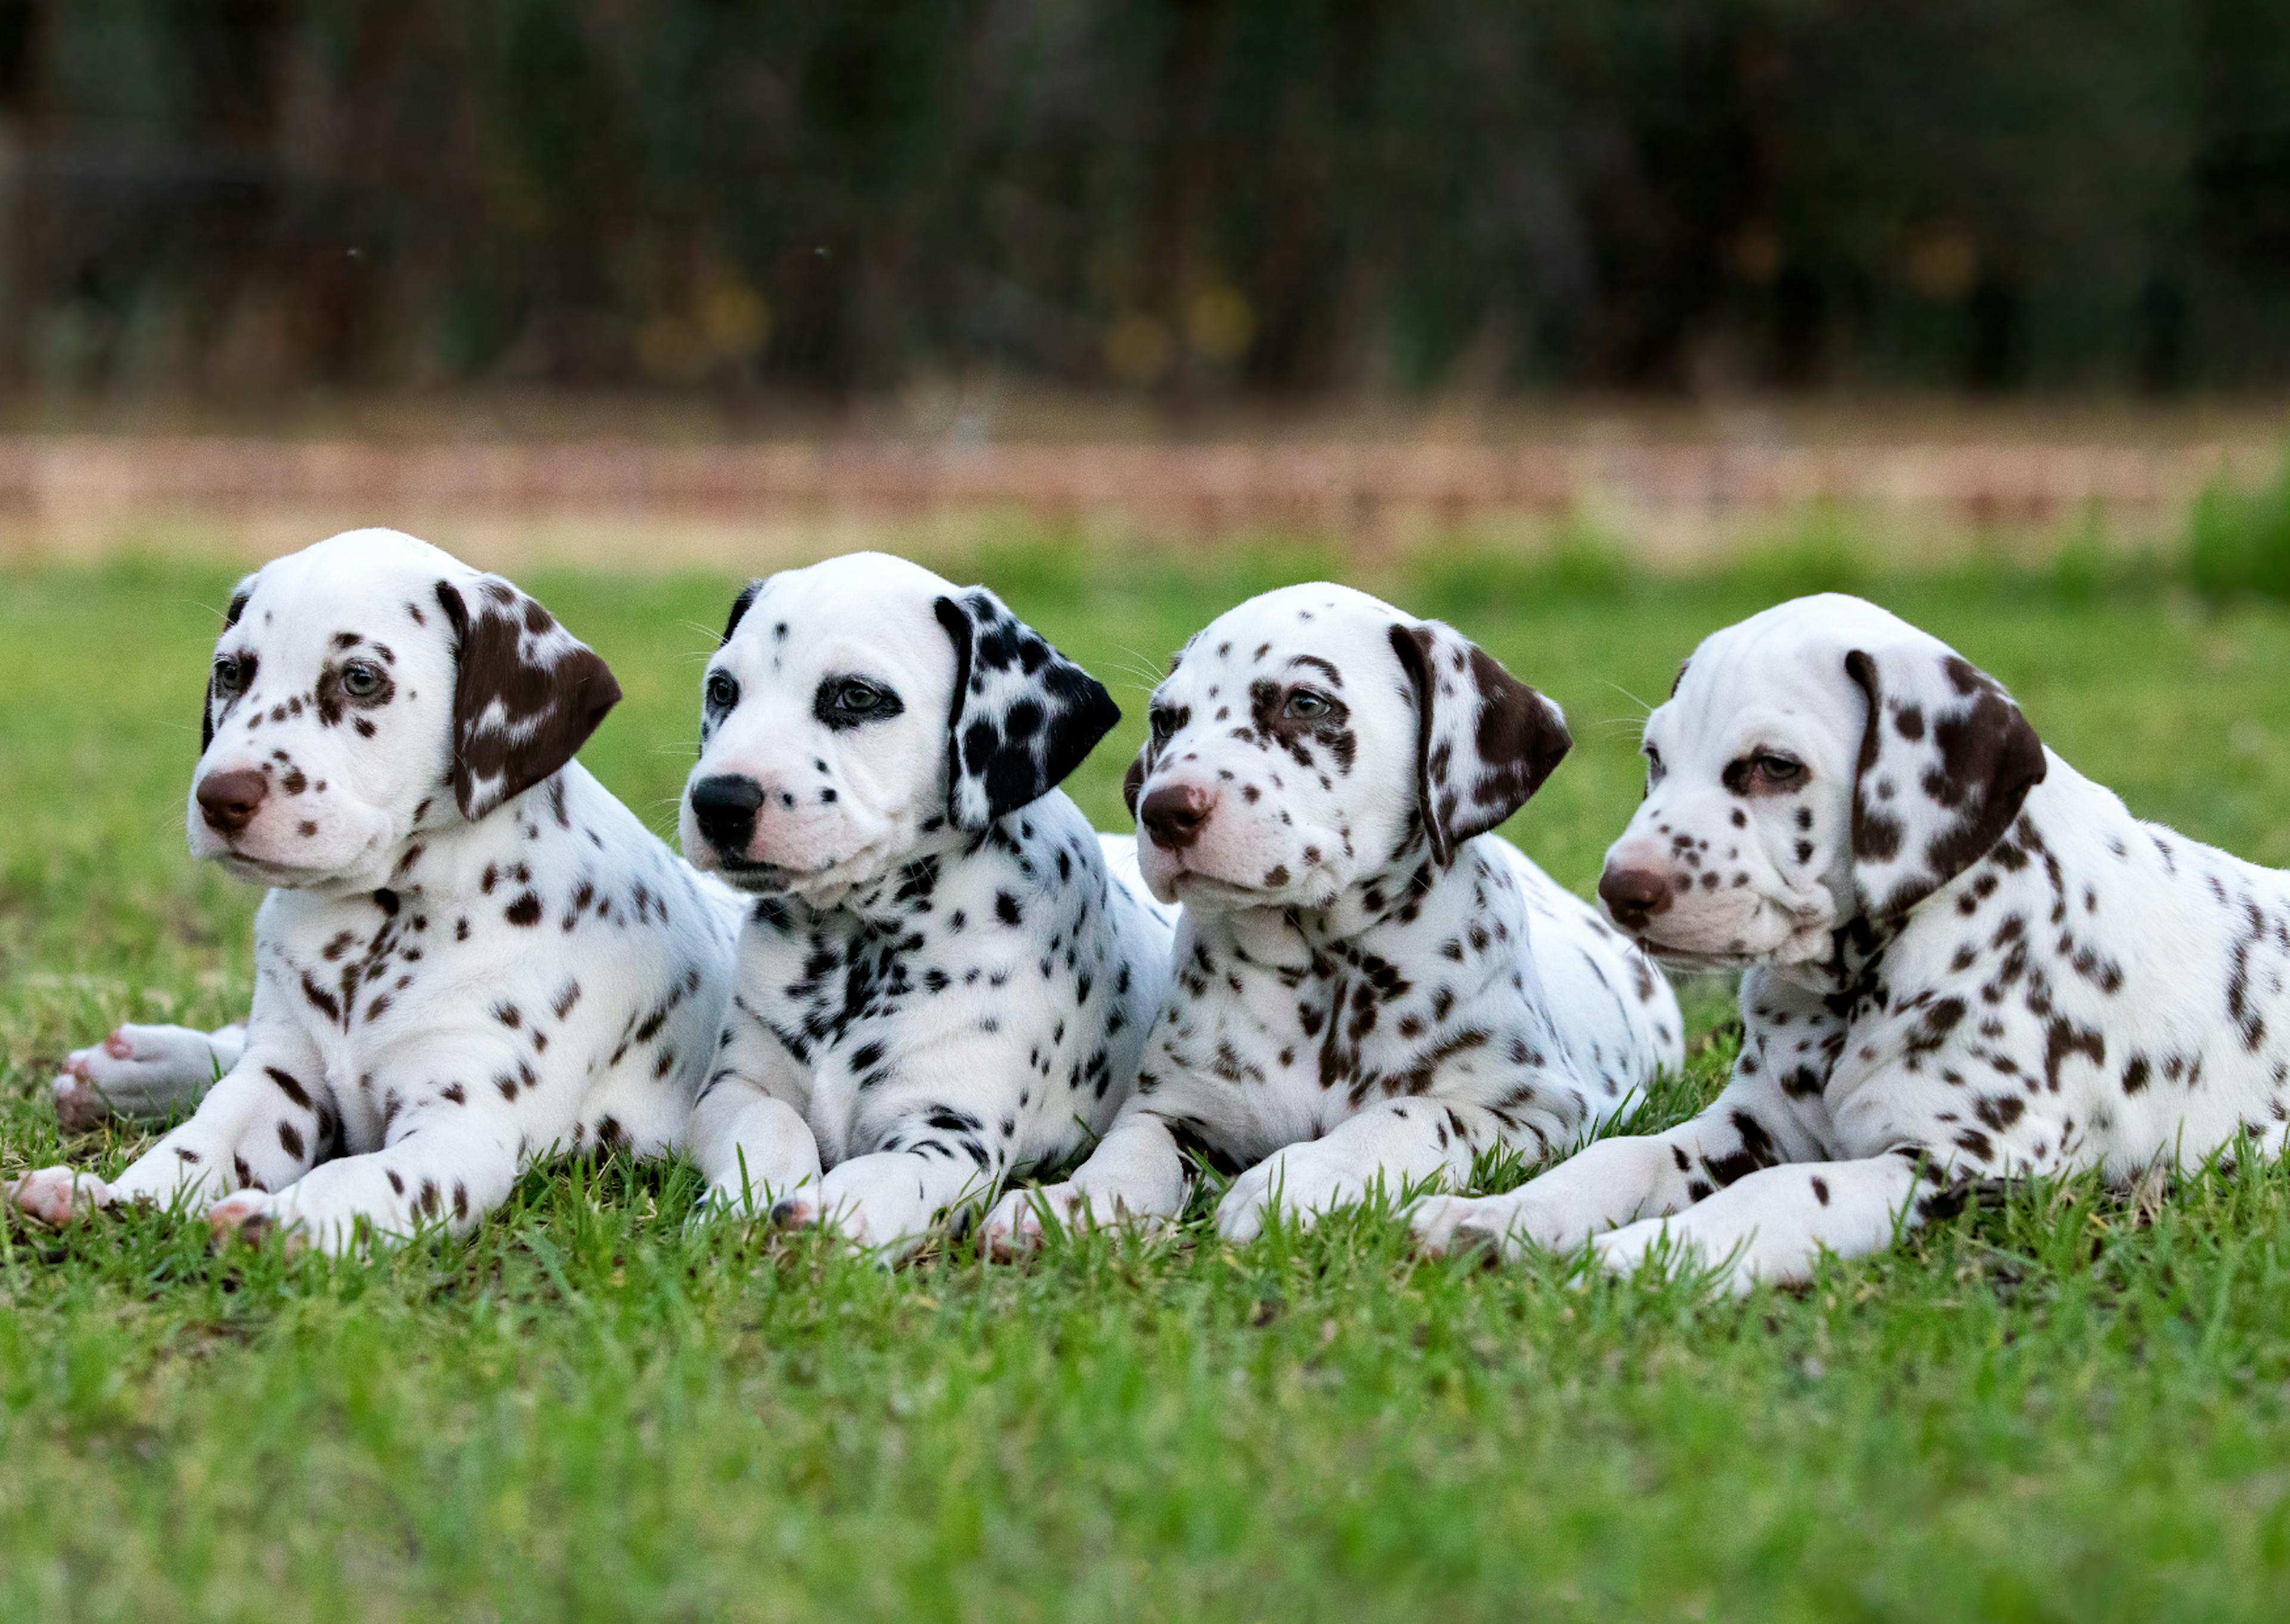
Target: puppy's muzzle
point(724, 808)
point(229, 801)
point(1174, 815)
point(1634, 896)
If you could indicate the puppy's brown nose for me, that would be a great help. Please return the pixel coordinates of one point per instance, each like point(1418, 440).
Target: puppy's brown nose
point(229, 801)
point(1634, 895)
point(1172, 815)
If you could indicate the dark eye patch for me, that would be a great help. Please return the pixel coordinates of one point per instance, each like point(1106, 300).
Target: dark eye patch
point(854, 701)
point(1762, 772)
point(358, 684)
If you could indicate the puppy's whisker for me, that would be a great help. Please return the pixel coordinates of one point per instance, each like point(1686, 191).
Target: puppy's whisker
point(1645, 709)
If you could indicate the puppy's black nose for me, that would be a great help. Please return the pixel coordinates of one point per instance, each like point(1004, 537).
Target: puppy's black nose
point(1174, 813)
point(724, 809)
point(1634, 895)
point(229, 801)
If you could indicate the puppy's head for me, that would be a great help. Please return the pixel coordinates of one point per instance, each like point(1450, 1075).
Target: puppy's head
point(1821, 762)
point(1314, 738)
point(861, 708)
point(369, 687)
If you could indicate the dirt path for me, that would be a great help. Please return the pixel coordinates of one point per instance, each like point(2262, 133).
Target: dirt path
point(1672, 493)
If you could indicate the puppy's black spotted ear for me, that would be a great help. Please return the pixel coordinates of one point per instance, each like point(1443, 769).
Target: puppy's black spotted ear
point(1946, 760)
point(739, 607)
point(1023, 716)
point(238, 597)
point(526, 692)
point(1484, 741)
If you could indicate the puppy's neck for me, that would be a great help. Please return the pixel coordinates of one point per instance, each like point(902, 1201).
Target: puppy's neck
point(1388, 903)
point(446, 857)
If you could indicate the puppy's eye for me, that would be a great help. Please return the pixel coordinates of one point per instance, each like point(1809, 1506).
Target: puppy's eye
point(853, 701)
point(1306, 706)
point(362, 680)
point(722, 690)
point(1163, 724)
point(1781, 771)
point(1655, 771)
point(232, 673)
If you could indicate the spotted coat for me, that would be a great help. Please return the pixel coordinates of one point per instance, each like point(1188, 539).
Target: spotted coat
point(1964, 962)
point(946, 976)
point(1368, 986)
point(470, 957)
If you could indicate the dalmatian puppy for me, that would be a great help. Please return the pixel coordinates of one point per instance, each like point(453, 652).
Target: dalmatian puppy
point(1369, 988)
point(470, 954)
point(1963, 962)
point(946, 976)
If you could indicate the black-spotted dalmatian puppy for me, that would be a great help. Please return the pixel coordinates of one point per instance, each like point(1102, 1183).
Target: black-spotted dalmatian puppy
point(471, 954)
point(1962, 961)
point(1368, 988)
point(946, 975)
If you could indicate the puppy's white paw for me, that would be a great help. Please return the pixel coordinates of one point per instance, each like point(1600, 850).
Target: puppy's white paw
point(1504, 1225)
point(252, 1216)
point(1020, 1220)
point(1303, 1181)
point(1674, 1250)
point(738, 1203)
point(57, 1195)
point(137, 1072)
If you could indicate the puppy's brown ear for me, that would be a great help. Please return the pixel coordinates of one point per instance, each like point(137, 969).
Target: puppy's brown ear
point(1946, 761)
point(1484, 741)
point(526, 692)
point(238, 597)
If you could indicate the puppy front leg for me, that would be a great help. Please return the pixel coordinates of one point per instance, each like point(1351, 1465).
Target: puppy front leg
point(449, 1154)
point(1617, 1181)
point(1772, 1225)
point(748, 1133)
point(1135, 1174)
point(143, 1073)
point(265, 1125)
point(446, 1163)
point(1394, 1143)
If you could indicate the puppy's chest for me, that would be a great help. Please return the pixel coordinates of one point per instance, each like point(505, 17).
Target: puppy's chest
point(2065, 1008)
point(940, 946)
point(1395, 1013)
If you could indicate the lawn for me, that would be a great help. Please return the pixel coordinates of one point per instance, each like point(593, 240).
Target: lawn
point(2074, 1407)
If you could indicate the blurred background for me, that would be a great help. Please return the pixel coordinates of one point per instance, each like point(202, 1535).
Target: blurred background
point(707, 278)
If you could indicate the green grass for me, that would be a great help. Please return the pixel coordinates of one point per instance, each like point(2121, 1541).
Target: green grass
point(2073, 1407)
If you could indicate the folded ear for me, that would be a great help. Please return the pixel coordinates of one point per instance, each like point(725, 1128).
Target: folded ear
point(1484, 741)
point(238, 597)
point(1023, 716)
point(526, 692)
point(1946, 760)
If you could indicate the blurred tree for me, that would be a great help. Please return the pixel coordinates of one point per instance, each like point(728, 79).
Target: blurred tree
point(1188, 198)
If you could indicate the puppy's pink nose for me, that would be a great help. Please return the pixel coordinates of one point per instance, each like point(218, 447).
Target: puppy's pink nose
point(1174, 813)
point(1634, 895)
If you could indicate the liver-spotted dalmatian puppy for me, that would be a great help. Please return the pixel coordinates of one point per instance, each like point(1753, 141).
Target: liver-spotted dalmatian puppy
point(470, 955)
point(1368, 987)
point(1962, 961)
point(946, 976)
